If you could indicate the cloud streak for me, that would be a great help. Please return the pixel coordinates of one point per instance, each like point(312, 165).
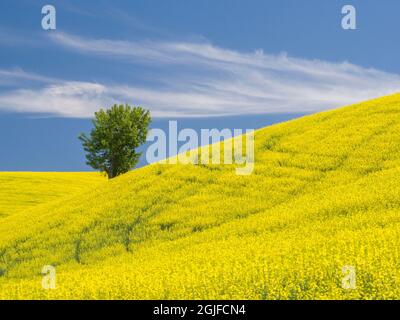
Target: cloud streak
point(200, 79)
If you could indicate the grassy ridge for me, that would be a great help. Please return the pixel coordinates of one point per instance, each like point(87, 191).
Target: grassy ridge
point(324, 194)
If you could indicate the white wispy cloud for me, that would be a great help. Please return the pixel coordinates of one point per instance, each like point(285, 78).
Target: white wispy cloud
point(16, 75)
point(69, 99)
point(200, 79)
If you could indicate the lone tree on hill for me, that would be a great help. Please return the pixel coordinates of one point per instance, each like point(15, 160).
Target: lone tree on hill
point(117, 133)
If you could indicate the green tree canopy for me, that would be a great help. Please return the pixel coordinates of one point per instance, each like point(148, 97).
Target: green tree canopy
point(117, 133)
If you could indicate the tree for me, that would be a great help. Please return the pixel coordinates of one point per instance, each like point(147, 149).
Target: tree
point(117, 133)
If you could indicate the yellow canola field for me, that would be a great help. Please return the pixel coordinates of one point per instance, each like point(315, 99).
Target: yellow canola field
point(324, 198)
point(24, 190)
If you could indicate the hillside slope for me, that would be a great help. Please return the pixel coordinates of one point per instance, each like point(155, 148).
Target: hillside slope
point(24, 190)
point(325, 194)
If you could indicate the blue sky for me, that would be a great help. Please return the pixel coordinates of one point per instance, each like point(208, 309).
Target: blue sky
point(184, 60)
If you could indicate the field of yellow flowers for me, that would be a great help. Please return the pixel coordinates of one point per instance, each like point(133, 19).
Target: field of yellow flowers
point(324, 196)
point(24, 190)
